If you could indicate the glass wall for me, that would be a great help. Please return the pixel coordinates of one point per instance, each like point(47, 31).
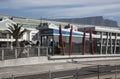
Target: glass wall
point(54, 46)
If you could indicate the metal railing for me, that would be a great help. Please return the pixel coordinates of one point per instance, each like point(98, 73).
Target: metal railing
point(14, 53)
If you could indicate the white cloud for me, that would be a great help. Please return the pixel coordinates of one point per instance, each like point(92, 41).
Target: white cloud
point(79, 11)
point(64, 8)
point(21, 4)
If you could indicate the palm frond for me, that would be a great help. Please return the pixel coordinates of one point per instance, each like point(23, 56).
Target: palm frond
point(15, 31)
point(22, 32)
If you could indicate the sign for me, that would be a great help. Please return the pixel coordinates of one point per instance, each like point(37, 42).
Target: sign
point(47, 32)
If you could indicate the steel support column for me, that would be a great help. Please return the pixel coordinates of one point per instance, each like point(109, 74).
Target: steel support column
point(91, 42)
point(70, 41)
point(53, 46)
point(101, 44)
point(115, 43)
point(84, 42)
point(7, 39)
point(111, 49)
point(61, 40)
point(107, 41)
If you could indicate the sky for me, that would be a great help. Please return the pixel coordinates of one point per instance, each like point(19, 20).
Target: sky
point(37, 9)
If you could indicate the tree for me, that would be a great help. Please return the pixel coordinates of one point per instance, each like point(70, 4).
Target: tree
point(16, 31)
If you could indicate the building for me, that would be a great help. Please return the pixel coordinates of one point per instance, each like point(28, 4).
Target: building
point(6, 40)
point(86, 39)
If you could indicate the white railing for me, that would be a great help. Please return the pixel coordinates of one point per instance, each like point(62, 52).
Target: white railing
point(14, 53)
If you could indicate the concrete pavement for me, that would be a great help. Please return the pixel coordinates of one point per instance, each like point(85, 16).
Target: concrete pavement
point(6, 72)
point(36, 69)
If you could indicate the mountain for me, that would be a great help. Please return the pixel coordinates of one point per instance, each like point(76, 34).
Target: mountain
point(96, 20)
point(115, 18)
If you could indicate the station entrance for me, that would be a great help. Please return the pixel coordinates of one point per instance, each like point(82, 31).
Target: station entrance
point(67, 44)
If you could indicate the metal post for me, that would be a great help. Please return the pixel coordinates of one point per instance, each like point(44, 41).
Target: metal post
point(98, 71)
point(111, 43)
point(8, 39)
point(70, 41)
point(11, 42)
point(77, 75)
point(38, 50)
point(91, 42)
point(115, 43)
point(53, 50)
point(3, 54)
point(47, 48)
point(46, 51)
point(39, 39)
point(28, 51)
point(61, 40)
point(107, 40)
point(84, 42)
point(101, 36)
point(50, 77)
point(16, 53)
point(115, 71)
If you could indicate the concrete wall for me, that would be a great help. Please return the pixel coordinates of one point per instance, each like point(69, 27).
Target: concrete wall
point(28, 61)
point(56, 59)
point(23, 61)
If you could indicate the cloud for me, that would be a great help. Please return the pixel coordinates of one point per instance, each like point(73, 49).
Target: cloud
point(78, 11)
point(61, 8)
point(21, 4)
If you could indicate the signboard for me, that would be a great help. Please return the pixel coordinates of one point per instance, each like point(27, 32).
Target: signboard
point(46, 32)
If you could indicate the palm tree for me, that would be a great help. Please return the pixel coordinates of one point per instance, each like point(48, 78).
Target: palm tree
point(16, 31)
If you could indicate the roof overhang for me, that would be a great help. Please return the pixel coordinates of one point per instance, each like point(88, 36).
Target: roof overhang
point(106, 29)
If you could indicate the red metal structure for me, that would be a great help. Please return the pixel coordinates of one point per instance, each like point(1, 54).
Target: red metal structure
point(61, 40)
point(70, 41)
point(91, 42)
point(84, 42)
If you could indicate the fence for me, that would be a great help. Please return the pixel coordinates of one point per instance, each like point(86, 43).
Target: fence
point(14, 53)
point(91, 72)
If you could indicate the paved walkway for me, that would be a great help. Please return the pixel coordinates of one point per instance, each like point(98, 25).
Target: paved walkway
point(106, 76)
point(37, 69)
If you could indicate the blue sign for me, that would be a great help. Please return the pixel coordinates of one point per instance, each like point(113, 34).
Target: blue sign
point(47, 32)
point(56, 32)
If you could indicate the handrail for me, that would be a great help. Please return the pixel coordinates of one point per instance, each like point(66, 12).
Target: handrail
point(22, 52)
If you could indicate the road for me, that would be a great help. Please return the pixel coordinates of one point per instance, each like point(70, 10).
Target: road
point(84, 72)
